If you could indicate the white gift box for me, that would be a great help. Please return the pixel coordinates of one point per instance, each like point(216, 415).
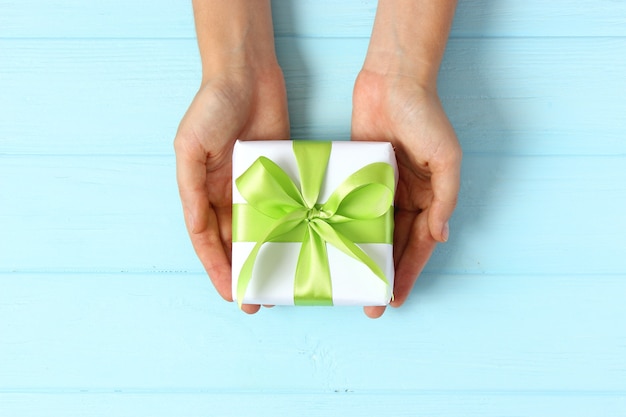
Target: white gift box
point(272, 282)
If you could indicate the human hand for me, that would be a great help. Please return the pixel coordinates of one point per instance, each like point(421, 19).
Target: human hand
point(238, 103)
point(398, 109)
point(395, 99)
point(242, 96)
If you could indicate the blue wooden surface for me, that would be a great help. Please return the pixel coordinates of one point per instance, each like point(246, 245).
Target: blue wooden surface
point(105, 311)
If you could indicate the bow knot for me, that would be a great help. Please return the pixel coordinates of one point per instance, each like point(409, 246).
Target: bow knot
point(315, 213)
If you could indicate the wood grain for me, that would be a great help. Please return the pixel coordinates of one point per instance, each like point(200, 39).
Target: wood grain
point(105, 310)
point(169, 333)
point(505, 96)
point(192, 404)
point(527, 215)
point(307, 18)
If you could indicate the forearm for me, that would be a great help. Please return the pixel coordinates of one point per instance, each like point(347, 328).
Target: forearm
point(233, 35)
point(409, 38)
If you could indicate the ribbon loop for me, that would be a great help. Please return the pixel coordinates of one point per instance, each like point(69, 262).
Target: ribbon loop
point(269, 189)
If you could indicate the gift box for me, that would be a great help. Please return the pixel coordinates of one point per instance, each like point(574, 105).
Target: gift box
point(313, 222)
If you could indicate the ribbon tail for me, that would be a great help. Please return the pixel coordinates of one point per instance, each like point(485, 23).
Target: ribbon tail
point(245, 274)
point(282, 226)
point(312, 284)
point(342, 243)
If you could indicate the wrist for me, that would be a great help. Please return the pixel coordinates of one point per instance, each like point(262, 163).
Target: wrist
point(235, 36)
point(385, 63)
point(408, 39)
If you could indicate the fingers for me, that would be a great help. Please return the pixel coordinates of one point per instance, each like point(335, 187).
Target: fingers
point(413, 255)
point(250, 308)
point(413, 246)
point(214, 256)
point(445, 181)
point(201, 220)
point(191, 178)
point(374, 312)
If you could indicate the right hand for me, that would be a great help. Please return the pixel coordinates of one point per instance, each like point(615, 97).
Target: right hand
point(396, 108)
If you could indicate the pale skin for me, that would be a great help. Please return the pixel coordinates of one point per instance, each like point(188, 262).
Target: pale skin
point(243, 96)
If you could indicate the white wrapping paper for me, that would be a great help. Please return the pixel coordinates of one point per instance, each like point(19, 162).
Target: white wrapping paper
point(273, 275)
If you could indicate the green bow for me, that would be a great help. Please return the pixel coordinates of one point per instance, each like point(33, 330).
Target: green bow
point(359, 210)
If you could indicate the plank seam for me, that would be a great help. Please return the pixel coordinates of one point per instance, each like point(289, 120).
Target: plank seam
point(295, 36)
point(364, 392)
point(13, 273)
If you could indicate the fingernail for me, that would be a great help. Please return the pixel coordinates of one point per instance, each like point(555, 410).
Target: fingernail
point(445, 233)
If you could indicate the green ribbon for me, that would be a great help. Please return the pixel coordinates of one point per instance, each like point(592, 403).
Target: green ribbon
point(359, 210)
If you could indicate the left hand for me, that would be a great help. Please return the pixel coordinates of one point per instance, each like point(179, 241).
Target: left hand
point(234, 105)
point(397, 109)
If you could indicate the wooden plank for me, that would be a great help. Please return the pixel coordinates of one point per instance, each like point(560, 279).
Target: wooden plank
point(102, 19)
point(474, 18)
point(535, 18)
point(510, 96)
point(94, 97)
point(169, 333)
point(487, 404)
point(104, 309)
point(308, 18)
point(529, 215)
point(112, 214)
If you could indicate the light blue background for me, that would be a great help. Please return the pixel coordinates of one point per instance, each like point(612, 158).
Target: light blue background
point(105, 311)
